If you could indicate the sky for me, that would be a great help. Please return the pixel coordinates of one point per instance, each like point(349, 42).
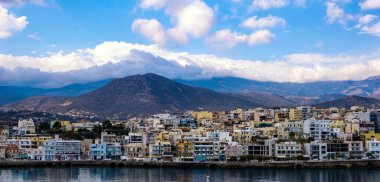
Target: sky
point(52, 43)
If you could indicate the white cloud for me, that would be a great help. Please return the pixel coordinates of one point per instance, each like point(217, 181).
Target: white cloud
point(10, 3)
point(370, 4)
point(156, 4)
point(226, 39)
point(151, 29)
point(194, 19)
point(261, 37)
point(265, 22)
point(10, 23)
point(268, 4)
point(34, 36)
point(336, 14)
point(363, 20)
point(52, 46)
point(369, 24)
point(191, 18)
point(300, 3)
point(372, 29)
point(319, 44)
point(120, 59)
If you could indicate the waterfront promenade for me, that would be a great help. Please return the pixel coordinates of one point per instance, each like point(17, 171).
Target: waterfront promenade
point(347, 164)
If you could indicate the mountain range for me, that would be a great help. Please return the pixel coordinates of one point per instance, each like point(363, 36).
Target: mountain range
point(141, 95)
point(369, 87)
point(9, 94)
point(138, 95)
point(352, 100)
point(287, 93)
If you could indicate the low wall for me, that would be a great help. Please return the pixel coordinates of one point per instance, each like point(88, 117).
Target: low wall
point(253, 165)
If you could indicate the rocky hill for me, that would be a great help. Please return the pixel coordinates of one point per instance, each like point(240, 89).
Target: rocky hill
point(137, 95)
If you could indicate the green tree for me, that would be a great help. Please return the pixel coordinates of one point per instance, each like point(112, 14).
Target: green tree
point(300, 158)
point(292, 135)
point(97, 129)
point(107, 124)
point(43, 127)
point(233, 158)
point(369, 155)
point(250, 157)
point(57, 125)
point(243, 158)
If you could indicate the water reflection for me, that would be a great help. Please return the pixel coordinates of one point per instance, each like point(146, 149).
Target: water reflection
point(95, 174)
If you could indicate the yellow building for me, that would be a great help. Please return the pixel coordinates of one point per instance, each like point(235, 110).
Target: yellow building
point(162, 136)
point(242, 134)
point(65, 125)
point(256, 117)
point(185, 150)
point(351, 128)
point(37, 140)
point(295, 114)
point(267, 131)
point(371, 135)
point(338, 124)
point(237, 114)
point(199, 115)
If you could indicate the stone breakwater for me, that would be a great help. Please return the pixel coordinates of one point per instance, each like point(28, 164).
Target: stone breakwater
point(250, 165)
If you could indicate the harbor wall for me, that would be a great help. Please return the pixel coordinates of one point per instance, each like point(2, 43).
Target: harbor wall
point(254, 165)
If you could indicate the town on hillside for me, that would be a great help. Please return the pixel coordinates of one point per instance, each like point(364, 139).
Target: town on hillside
point(246, 135)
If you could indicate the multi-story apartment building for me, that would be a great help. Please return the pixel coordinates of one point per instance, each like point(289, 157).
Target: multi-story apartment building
point(113, 151)
point(58, 149)
point(316, 150)
point(317, 129)
point(28, 125)
point(355, 149)
point(135, 151)
point(204, 150)
point(236, 149)
point(2, 151)
point(160, 151)
point(338, 150)
point(287, 149)
point(373, 147)
point(242, 134)
point(185, 150)
point(375, 118)
point(98, 151)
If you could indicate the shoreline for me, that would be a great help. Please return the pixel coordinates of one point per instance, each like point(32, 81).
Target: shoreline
point(348, 164)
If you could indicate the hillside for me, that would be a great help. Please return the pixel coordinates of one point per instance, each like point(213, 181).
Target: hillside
point(369, 87)
point(267, 100)
point(138, 95)
point(349, 101)
point(9, 94)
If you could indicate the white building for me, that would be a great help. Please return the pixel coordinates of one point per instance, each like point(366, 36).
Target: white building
point(317, 129)
point(287, 149)
point(160, 151)
point(316, 150)
point(85, 125)
point(235, 149)
point(58, 149)
point(355, 148)
point(28, 125)
point(219, 136)
point(373, 147)
point(35, 153)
